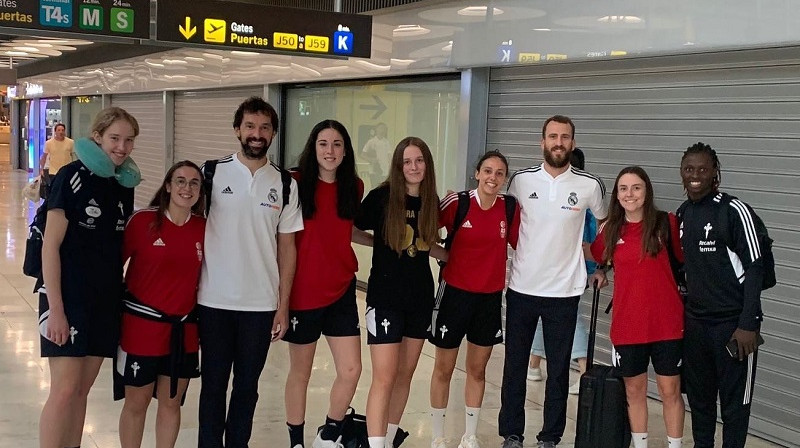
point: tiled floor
(24, 375)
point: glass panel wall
(83, 109)
(378, 115)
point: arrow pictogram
(379, 107)
(188, 31)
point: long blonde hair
(428, 220)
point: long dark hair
(652, 238)
(428, 220)
(161, 198)
(346, 177)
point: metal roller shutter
(149, 151)
(204, 122)
(646, 111)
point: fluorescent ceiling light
(409, 30)
(27, 49)
(542, 29)
(479, 11)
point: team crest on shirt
(199, 248)
(502, 229)
(272, 195)
(572, 201)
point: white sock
(391, 431)
(472, 415)
(376, 442)
(639, 439)
(675, 442)
(437, 423)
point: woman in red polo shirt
(158, 351)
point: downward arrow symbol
(188, 31)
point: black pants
(709, 371)
(559, 315)
(238, 340)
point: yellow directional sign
(188, 30)
(214, 30)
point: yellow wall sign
(285, 41)
(214, 30)
(529, 57)
(318, 44)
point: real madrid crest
(273, 195)
(572, 199)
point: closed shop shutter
(646, 112)
(149, 152)
(204, 122)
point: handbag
(31, 191)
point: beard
(551, 159)
(255, 153)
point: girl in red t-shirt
(647, 324)
(323, 298)
(470, 293)
(165, 246)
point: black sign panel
(115, 18)
(265, 28)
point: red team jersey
(477, 261)
(647, 305)
(163, 273)
(326, 262)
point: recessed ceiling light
(620, 19)
(409, 30)
(479, 11)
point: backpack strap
(461, 214)
(209, 168)
(511, 208)
(286, 180)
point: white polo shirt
(549, 259)
(240, 267)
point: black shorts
(138, 371)
(94, 330)
(340, 318)
(390, 326)
(632, 360)
(460, 313)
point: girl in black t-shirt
(403, 213)
(88, 206)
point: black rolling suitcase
(602, 406)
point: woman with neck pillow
(81, 289)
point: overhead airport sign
(114, 18)
(245, 26)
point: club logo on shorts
(72, 333)
(272, 195)
(385, 324)
(443, 329)
(294, 322)
(135, 367)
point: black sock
(296, 434)
(332, 429)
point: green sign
(115, 18)
(246, 26)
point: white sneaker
(575, 388)
(320, 443)
(439, 442)
(469, 442)
(535, 374)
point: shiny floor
(24, 376)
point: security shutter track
(204, 122)
(149, 151)
(647, 111)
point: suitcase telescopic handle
(593, 325)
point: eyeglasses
(181, 182)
